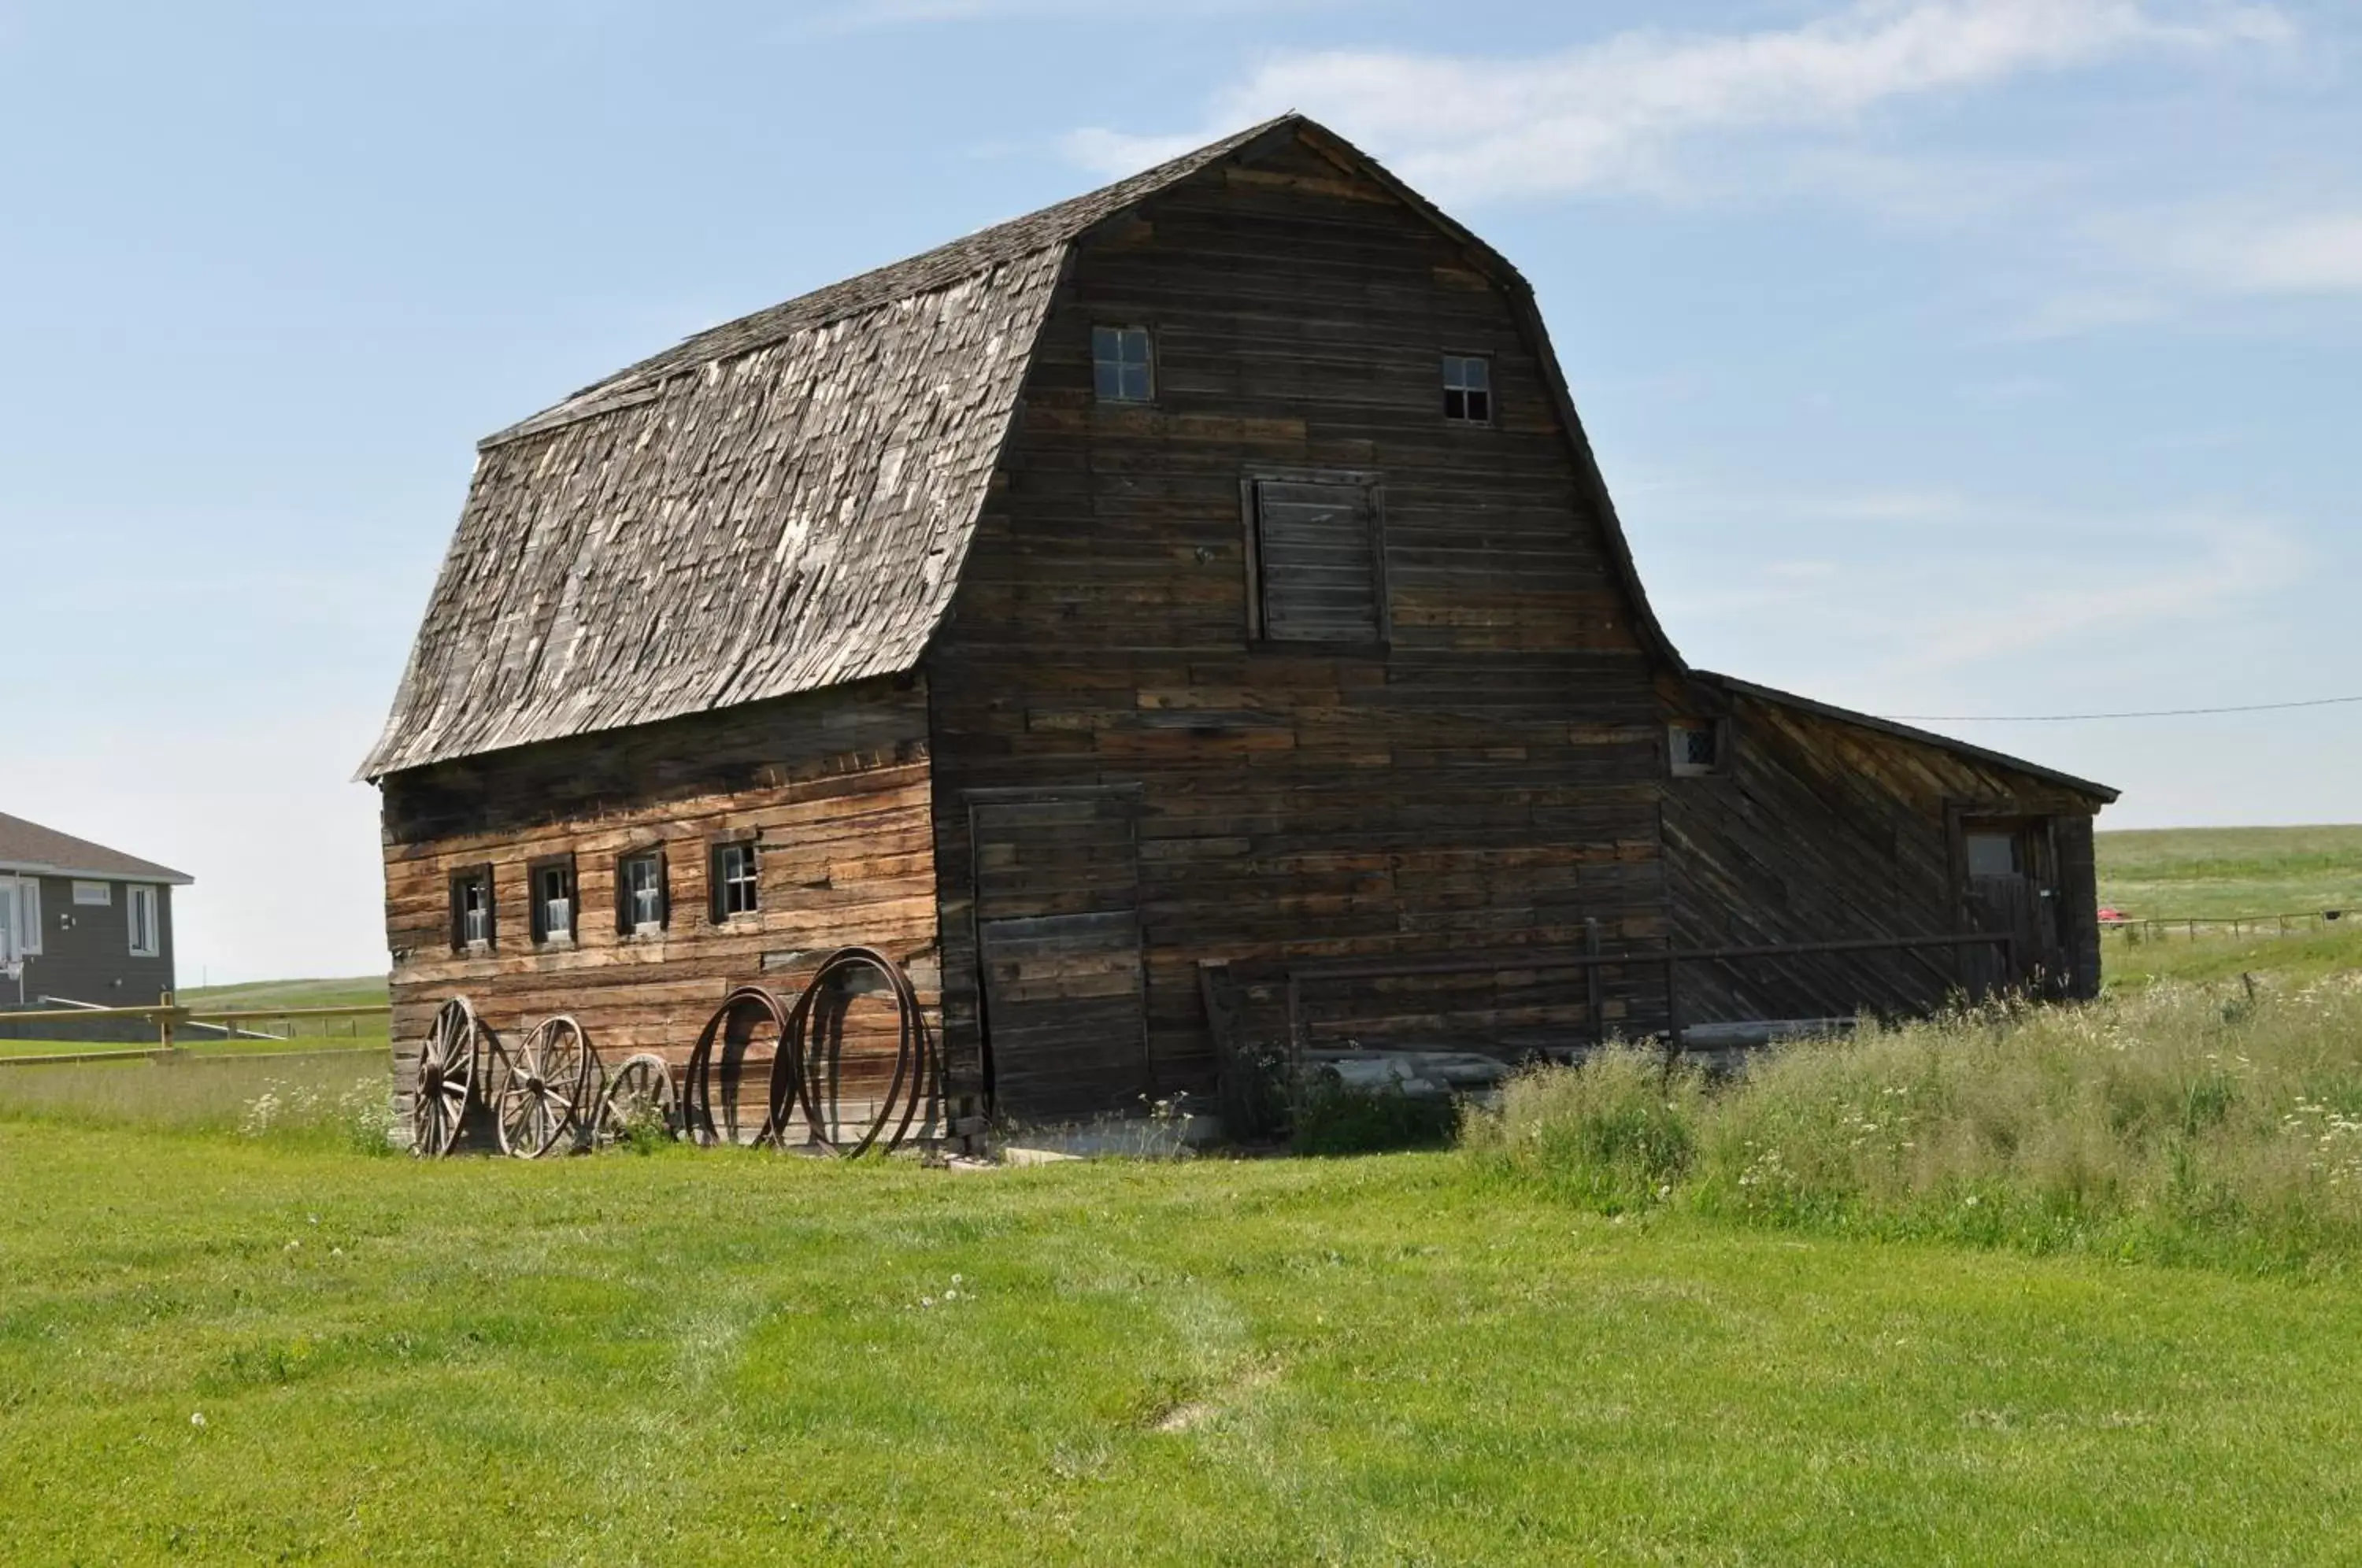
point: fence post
(164, 1024)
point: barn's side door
(2013, 888)
(1057, 924)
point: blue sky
(1946, 357)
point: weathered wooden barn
(1207, 580)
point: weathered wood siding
(1486, 779)
(834, 787)
(1818, 830)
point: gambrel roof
(781, 503)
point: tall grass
(2179, 1123)
(326, 1101)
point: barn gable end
(1478, 773)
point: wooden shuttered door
(1320, 559)
(1058, 909)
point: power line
(2078, 717)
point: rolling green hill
(2185, 872)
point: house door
(2012, 890)
(1057, 923)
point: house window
(147, 936)
(20, 918)
(1317, 560)
(1695, 745)
(734, 884)
(553, 899)
(24, 903)
(642, 902)
(1119, 364)
(471, 908)
(1467, 389)
(99, 894)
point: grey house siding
(86, 957)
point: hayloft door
(1057, 913)
(2012, 890)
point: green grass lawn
(733, 1357)
(2190, 872)
(222, 1346)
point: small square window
(1120, 369)
(735, 889)
(642, 901)
(553, 899)
(1993, 855)
(1467, 389)
(1695, 745)
(471, 909)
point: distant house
(1203, 582)
(81, 922)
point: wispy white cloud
(1897, 587)
(1617, 114)
(2288, 253)
(2205, 567)
(862, 15)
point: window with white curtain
(146, 935)
(28, 916)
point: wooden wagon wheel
(447, 1079)
(639, 1092)
(541, 1089)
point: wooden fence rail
(2150, 927)
(168, 1018)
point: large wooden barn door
(1057, 920)
(2013, 888)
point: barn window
(1695, 745)
(1993, 855)
(553, 899)
(471, 908)
(643, 903)
(147, 936)
(1121, 367)
(1317, 559)
(1468, 389)
(735, 888)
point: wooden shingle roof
(779, 504)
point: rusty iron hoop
(540, 1090)
(731, 1026)
(448, 1060)
(797, 1071)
